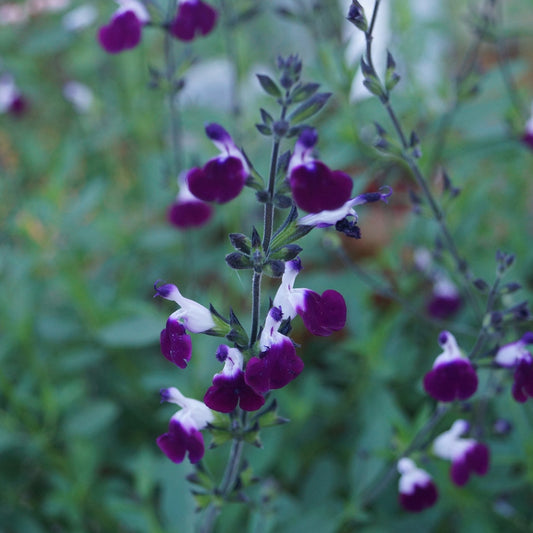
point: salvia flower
(12, 100)
(194, 316)
(344, 218)
(193, 18)
(222, 178)
(445, 299)
(183, 434)
(416, 488)
(322, 314)
(175, 344)
(277, 364)
(229, 387)
(124, 31)
(314, 186)
(527, 136)
(467, 455)
(187, 211)
(452, 377)
(515, 355)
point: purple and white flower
(315, 187)
(322, 314)
(222, 178)
(416, 488)
(515, 355)
(452, 377)
(12, 100)
(468, 456)
(124, 30)
(229, 388)
(187, 211)
(344, 218)
(277, 364)
(193, 18)
(183, 434)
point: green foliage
(84, 236)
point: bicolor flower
(527, 136)
(452, 377)
(11, 99)
(183, 434)
(515, 355)
(229, 387)
(322, 314)
(222, 178)
(187, 211)
(315, 187)
(445, 300)
(277, 364)
(124, 30)
(344, 218)
(467, 455)
(193, 18)
(175, 344)
(416, 488)
(194, 316)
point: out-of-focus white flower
(80, 17)
(79, 95)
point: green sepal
(264, 130)
(246, 476)
(240, 242)
(221, 328)
(285, 253)
(268, 85)
(268, 417)
(220, 429)
(254, 180)
(309, 108)
(239, 261)
(391, 76)
(251, 436)
(266, 117)
(201, 477)
(202, 499)
(291, 233)
(302, 92)
(237, 334)
(274, 268)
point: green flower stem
(226, 485)
(449, 242)
(256, 306)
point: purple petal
(443, 306)
(316, 188)
(193, 18)
(217, 133)
(523, 381)
(423, 496)
(179, 440)
(122, 33)
(189, 214)
(175, 343)
(452, 380)
(478, 458)
(220, 180)
(322, 315)
(308, 138)
(227, 392)
(276, 367)
(527, 139)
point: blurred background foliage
(84, 236)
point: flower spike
(452, 377)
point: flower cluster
(272, 365)
(417, 490)
(124, 30)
